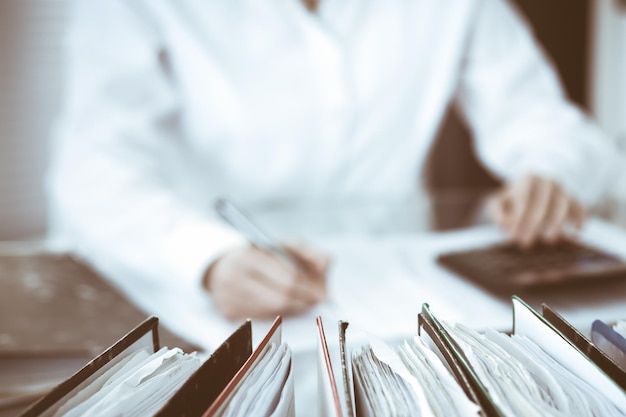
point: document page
(262, 393)
(444, 394)
(407, 379)
(80, 402)
(524, 380)
(139, 386)
(379, 284)
(381, 391)
(530, 325)
(510, 384)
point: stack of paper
(453, 370)
(139, 385)
(135, 377)
(444, 395)
(410, 381)
(267, 389)
(524, 380)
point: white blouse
(172, 103)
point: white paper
(508, 381)
(443, 392)
(138, 386)
(528, 324)
(262, 388)
(80, 402)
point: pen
(253, 233)
(244, 225)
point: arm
(554, 159)
(114, 182)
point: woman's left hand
(536, 209)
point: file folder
(205, 393)
(551, 333)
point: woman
(174, 103)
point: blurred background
(586, 40)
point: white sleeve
(522, 123)
(109, 192)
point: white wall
(609, 78)
(30, 87)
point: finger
(537, 212)
(296, 294)
(558, 218)
(521, 198)
(284, 300)
(576, 217)
(311, 258)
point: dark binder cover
(212, 379)
(242, 371)
(144, 335)
(604, 362)
(458, 363)
(192, 399)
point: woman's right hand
(251, 283)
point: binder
(561, 341)
(532, 324)
(458, 363)
(336, 394)
(143, 336)
(547, 330)
(237, 383)
(208, 388)
(589, 348)
(340, 392)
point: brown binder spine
(329, 366)
(205, 385)
(603, 361)
(150, 325)
(346, 369)
(459, 364)
(241, 371)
